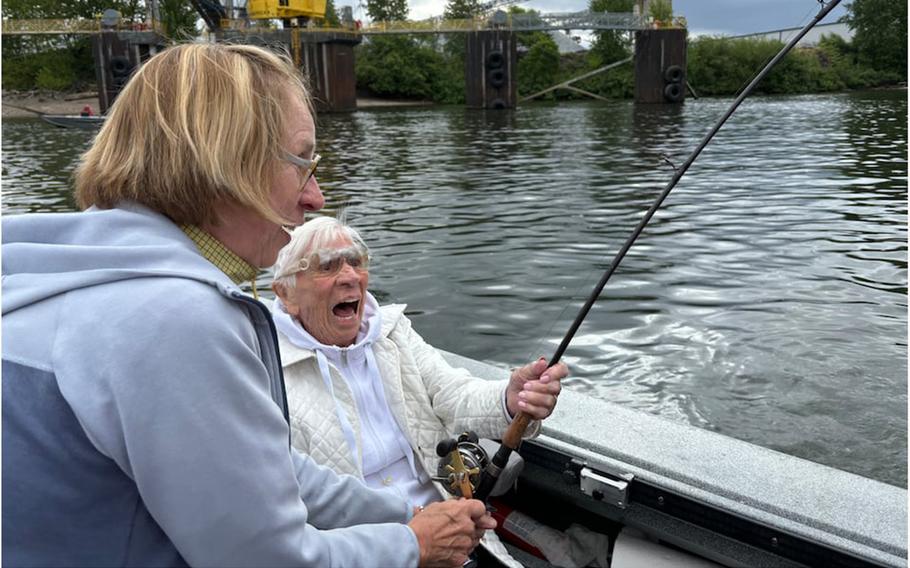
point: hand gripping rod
(512, 437)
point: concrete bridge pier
(660, 66)
(491, 69)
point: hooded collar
(370, 328)
(297, 344)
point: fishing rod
(512, 437)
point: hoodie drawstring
(346, 427)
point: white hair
(308, 238)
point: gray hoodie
(144, 416)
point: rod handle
(512, 437)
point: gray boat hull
(73, 121)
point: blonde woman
(144, 414)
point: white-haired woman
(367, 395)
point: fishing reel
(461, 464)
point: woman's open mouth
(347, 309)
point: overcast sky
(727, 17)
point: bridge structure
(326, 53)
(585, 20)
(516, 23)
(69, 26)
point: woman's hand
(449, 530)
(533, 389)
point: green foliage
(610, 46)
(528, 39)
(56, 74)
(405, 67)
(616, 83)
(331, 15)
(538, 60)
(20, 73)
(178, 18)
(387, 10)
(461, 9)
(880, 35)
(661, 10)
(56, 62)
(720, 66)
(131, 10)
(57, 69)
(539, 67)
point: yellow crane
(285, 9)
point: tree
(610, 46)
(331, 18)
(880, 34)
(387, 10)
(386, 66)
(462, 9)
(178, 18)
(661, 10)
(50, 9)
(60, 61)
(538, 69)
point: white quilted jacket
(429, 398)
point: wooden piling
(325, 58)
(660, 66)
(117, 55)
(491, 69)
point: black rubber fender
(120, 66)
(497, 78)
(673, 74)
(498, 104)
(674, 93)
(495, 59)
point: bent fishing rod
(512, 437)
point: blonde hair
(199, 124)
(315, 234)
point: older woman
(367, 395)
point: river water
(767, 299)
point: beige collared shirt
(237, 269)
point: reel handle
(446, 447)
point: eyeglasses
(329, 262)
(308, 167)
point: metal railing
(64, 26)
(510, 22)
(523, 23)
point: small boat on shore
(691, 497)
(73, 120)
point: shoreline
(31, 104)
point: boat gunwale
(839, 510)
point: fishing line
(678, 175)
(512, 437)
(666, 159)
(575, 294)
